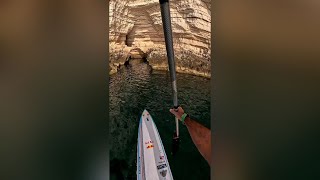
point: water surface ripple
(138, 87)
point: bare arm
(200, 135)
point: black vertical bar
(166, 21)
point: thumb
(173, 111)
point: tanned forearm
(201, 137)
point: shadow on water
(117, 167)
(137, 87)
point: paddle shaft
(166, 21)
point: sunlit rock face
(138, 24)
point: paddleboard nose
(145, 112)
(152, 162)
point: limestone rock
(137, 24)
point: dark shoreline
(165, 68)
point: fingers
(174, 111)
(177, 112)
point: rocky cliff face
(137, 24)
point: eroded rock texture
(137, 24)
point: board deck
(152, 162)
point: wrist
(184, 116)
(187, 120)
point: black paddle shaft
(166, 21)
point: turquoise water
(138, 87)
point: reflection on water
(138, 87)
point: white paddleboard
(152, 162)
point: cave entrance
(137, 53)
(136, 56)
(126, 41)
(130, 38)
